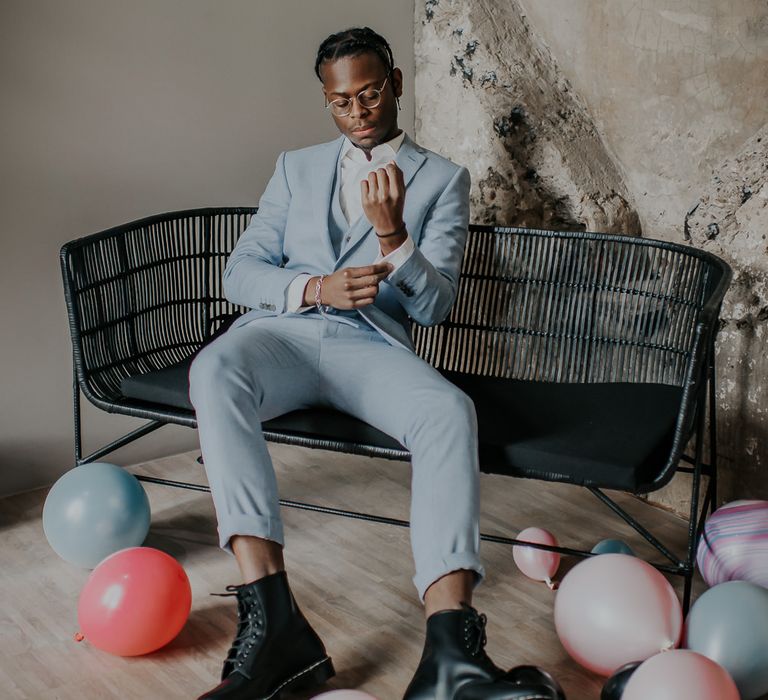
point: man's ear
(397, 82)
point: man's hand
(383, 197)
(348, 288)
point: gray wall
(112, 111)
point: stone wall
(674, 87)
(490, 95)
(613, 117)
(731, 221)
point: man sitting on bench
(332, 266)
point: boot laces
(249, 627)
(474, 632)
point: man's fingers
(373, 184)
(362, 302)
(382, 180)
(398, 174)
(375, 269)
(364, 293)
(396, 181)
(363, 282)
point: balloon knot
(552, 585)
(79, 637)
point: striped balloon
(734, 545)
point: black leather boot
(275, 649)
(520, 683)
(454, 665)
(454, 656)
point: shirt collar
(384, 151)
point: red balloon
(134, 602)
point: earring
(397, 99)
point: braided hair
(353, 42)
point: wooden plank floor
(352, 579)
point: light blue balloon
(729, 624)
(612, 547)
(93, 511)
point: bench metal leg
(76, 414)
(139, 432)
(368, 517)
(712, 432)
(635, 525)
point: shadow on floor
(180, 533)
(206, 629)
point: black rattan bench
(589, 356)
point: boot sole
(316, 674)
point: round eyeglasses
(369, 99)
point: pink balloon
(537, 564)
(344, 695)
(134, 602)
(613, 609)
(680, 675)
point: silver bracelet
(318, 290)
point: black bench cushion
(612, 435)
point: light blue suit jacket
(289, 235)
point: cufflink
(405, 289)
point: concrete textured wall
(534, 154)
(674, 87)
(731, 221)
(622, 116)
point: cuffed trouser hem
(251, 526)
(454, 562)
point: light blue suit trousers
(271, 362)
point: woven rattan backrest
(572, 307)
(146, 295)
(538, 305)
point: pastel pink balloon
(680, 675)
(344, 695)
(613, 609)
(134, 602)
(537, 564)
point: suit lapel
(409, 159)
(323, 173)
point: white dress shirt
(355, 167)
